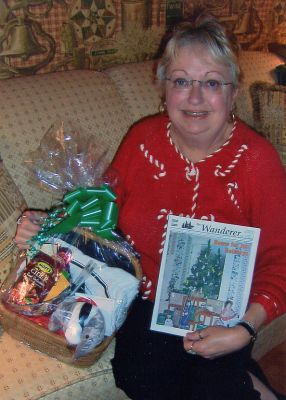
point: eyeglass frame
(201, 83)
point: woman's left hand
(216, 341)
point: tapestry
(39, 36)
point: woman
(197, 160)
(227, 314)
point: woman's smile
(196, 114)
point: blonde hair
(204, 29)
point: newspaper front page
(205, 275)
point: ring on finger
(20, 219)
(191, 351)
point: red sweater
(242, 183)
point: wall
(39, 36)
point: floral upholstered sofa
(105, 104)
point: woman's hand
(29, 225)
(216, 341)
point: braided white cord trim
(146, 285)
(190, 171)
(208, 156)
(196, 193)
(211, 217)
(231, 187)
(230, 167)
(174, 145)
(153, 161)
(193, 171)
(225, 143)
(164, 214)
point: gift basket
(71, 291)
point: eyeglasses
(209, 86)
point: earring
(162, 107)
(231, 117)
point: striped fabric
(11, 206)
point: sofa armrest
(269, 111)
(270, 337)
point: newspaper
(205, 275)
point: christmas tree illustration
(205, 275)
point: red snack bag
(37, 279)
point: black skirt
(150, 365)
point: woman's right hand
(29, 225)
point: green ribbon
(92, 207)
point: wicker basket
(41, 339)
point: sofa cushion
(33, 103)
(28, 374)
(136, 85)
(12, 204)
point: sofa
(105, 104)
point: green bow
(92, 208)
(88, 207)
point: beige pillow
(12, 204)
